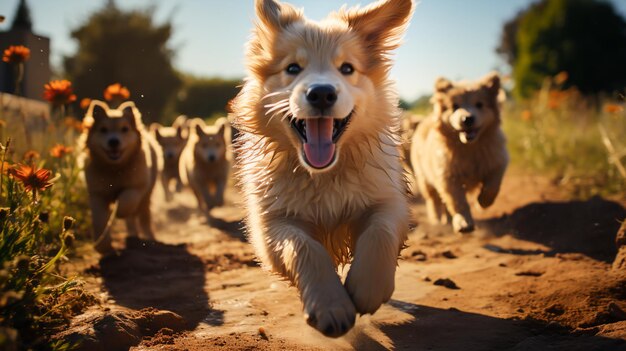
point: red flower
(33, 179)
(16, 54)
(59, 92)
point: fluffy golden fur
(172, 140)
(204, 163)
(459, 148)
(121, 162)
(314, 203)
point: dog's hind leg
(289, 248)
(370, 281)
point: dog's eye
(455, 107)
(479, 105)
(103, 130)
(293, 69)
(125, 129)
(346, 69)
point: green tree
(116, 46)
(585, 38)
(204, 97)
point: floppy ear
(275, 15)
(97, 111)
(380, 24)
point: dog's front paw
(486, 198)
(462, 224)
(370, 284)
(330, 311)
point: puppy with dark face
(460, 148)
(319, 156)
(205, 164)
(172, 140)
(121, 162)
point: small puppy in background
(172, 140)
(204, 163)
(121, 162)
(319, 155)
(460, 148)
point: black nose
(211, 158)
(114, 143)
(468, 121)
(321, 96)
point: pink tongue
(319, 148)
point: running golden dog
(319, 156)
(460, 148)
(121, 162)
(204, 163)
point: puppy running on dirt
(172, 140)
(460, 148)
(204, 163)
(121, 162)
(319, 155)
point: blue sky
(452, 38)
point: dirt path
(535, 276)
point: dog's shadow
(162, 276)
(587, 227)
(430, 328)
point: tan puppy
(121, 162)
(319, 155)
(460, 148)
(204, 163)
(172, 140)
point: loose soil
(538, 274)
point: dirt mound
(119, 329)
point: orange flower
(613, 108)
(526, 115)
(33, 179)
(561, 78)
(84, 103)
(59, 92)
(116, 92)
(31, 155)
(59, 150)
(16, 54)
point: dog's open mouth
(468, 135)
(319, 137)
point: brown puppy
(204, 163)
(460, 148)
(172, 140)
(121, 162)
(319, 155)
